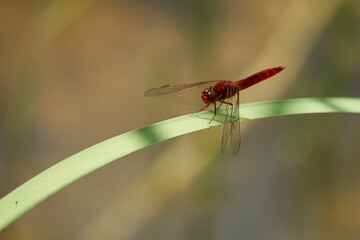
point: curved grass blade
(37, 189)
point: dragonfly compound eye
(208, 96)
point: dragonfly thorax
(220, 91)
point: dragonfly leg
(214, 113)
(204, 108)
(229, 103)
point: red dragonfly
(216, 92)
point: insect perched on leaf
(216, 92)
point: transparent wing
(231, 123)
(227, 121)
(189, 93)
(235, 127)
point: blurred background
(73, 73)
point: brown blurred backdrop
(73, 73)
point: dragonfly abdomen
(258, 77)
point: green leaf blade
(40, 187)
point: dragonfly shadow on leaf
(219, 119)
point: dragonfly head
(208, 96)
